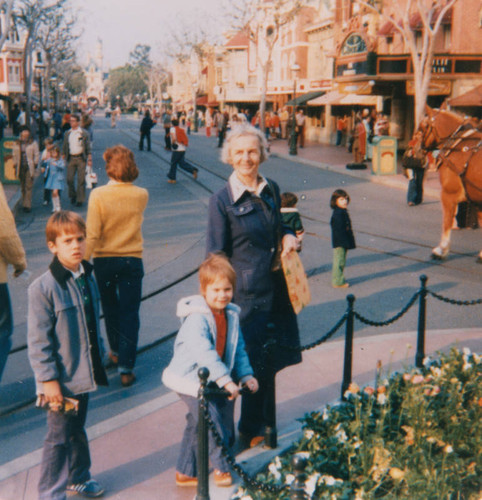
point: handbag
(296, 281)
(410, 161)
(90, 178)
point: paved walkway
(134, 453)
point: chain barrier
(453, 301)
(316, 343)
(232, 461)
(391, 320)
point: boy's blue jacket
(58, 338)
(195, 347)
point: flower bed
(418, 435)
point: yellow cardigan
(114, 220)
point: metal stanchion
(202, 440)
(422, 307)
(297, 488)
(347, 368)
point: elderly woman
(245, 224)
(114, 238)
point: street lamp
(294, 70)
(53, 81)
(225, 83)
(195, 86)
(39, 70)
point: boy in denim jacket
(209, 337)
(66, 353)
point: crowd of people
(243, 304)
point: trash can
(136, 115)
(384, 161)
(7, 167)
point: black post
(202, 440)
(297, 488)
(347, 368)
(270, 432)
(422, 307)
(41, 118)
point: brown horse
(459, 163)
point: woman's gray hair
(243, 130)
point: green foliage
(126, 81)
(416, 436)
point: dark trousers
(177, 158)
(65, 454)
(76, 167)
(221, 412)
(167, 137)
(339, 137)
(145, 135)
(415, 187)
(120, 286)
(6, 326)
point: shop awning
(471, 98)
(303, 99)
(336, 98)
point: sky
(121, 24)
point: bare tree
(400, 15)
(156, 80)
(56, 36)
(262, 21)
(31, 14)
(7, 7)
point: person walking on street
(340, 129)
(284, 118)
(342, 237)
(300, 126)
(179, 144)
(11, 253)
(114, 239)
(223, 120)
(166, 123)
(25, 158)
(146, 125)
(55, 178)
(76, 152)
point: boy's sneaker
(183, 480)
(222, 478)
(89, 489)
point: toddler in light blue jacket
(209, 337)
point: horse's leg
(452, 193)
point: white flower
(304, 454)
(466, 351)
(341, 434)
(308, 433)
(476, 357)
(382, 398)
(426, 361)
(289, 478)
(274, 471)
(467, 366)
(310, 484)
(325, 414)
(448, 449)
(437, 372)
(329, 480)
(277, 462)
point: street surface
(394, 243)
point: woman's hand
(252, 385)
(289, 244)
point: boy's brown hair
(215, 265)
(63, 222)
(288, 200)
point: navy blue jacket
(341, 231)
(249, 231)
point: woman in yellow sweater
(114, 239)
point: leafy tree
(124, 82)
(400, 15)
(140, 57)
